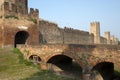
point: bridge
(91, 58)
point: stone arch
(64, 63)
(35, 58)
(59, 58)
(21, 38)
(103, 71)
(68, 55)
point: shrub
(33, 20)
(11, 16)
(21, 57)
(0, 16)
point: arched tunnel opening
(21, 38)
(65, 65)
(35, 59)
(103, 71)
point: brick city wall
(51, 33)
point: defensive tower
(95, 30)
(17, 8)
(17, 26)
(107, 36)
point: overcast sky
(78, 14)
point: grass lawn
(13, 68)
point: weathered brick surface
(83, 54)
(17, 8)
(10, 27)
(75, 44)
(14, 13)
(51, 33)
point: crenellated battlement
(18, 9)
(47, 23)
(34, 13)
(76, 31)
(95, 23)
(9, 9)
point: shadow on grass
(117, 75)
(46, 75)
(74, 70)
(70, 73)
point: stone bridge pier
(97, 62)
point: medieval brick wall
(72, 36)
(51, 33)
(107, 36)
(103, 40)
(1, 7)
(14, 14)
(22, 7)
(10, 27)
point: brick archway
(55, 54)
(63, 63)
(103, 70)
(21, 37)
(59, 58)
(35, 58)
(67, 55)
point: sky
(78, 14)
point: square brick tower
(16, 8)
(95, 30)
(107, 36)
(16, 25)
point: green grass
(21, 58)
(117, 73)
(46, 75)
(33, 20)
(11, 16)
(14, 67)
